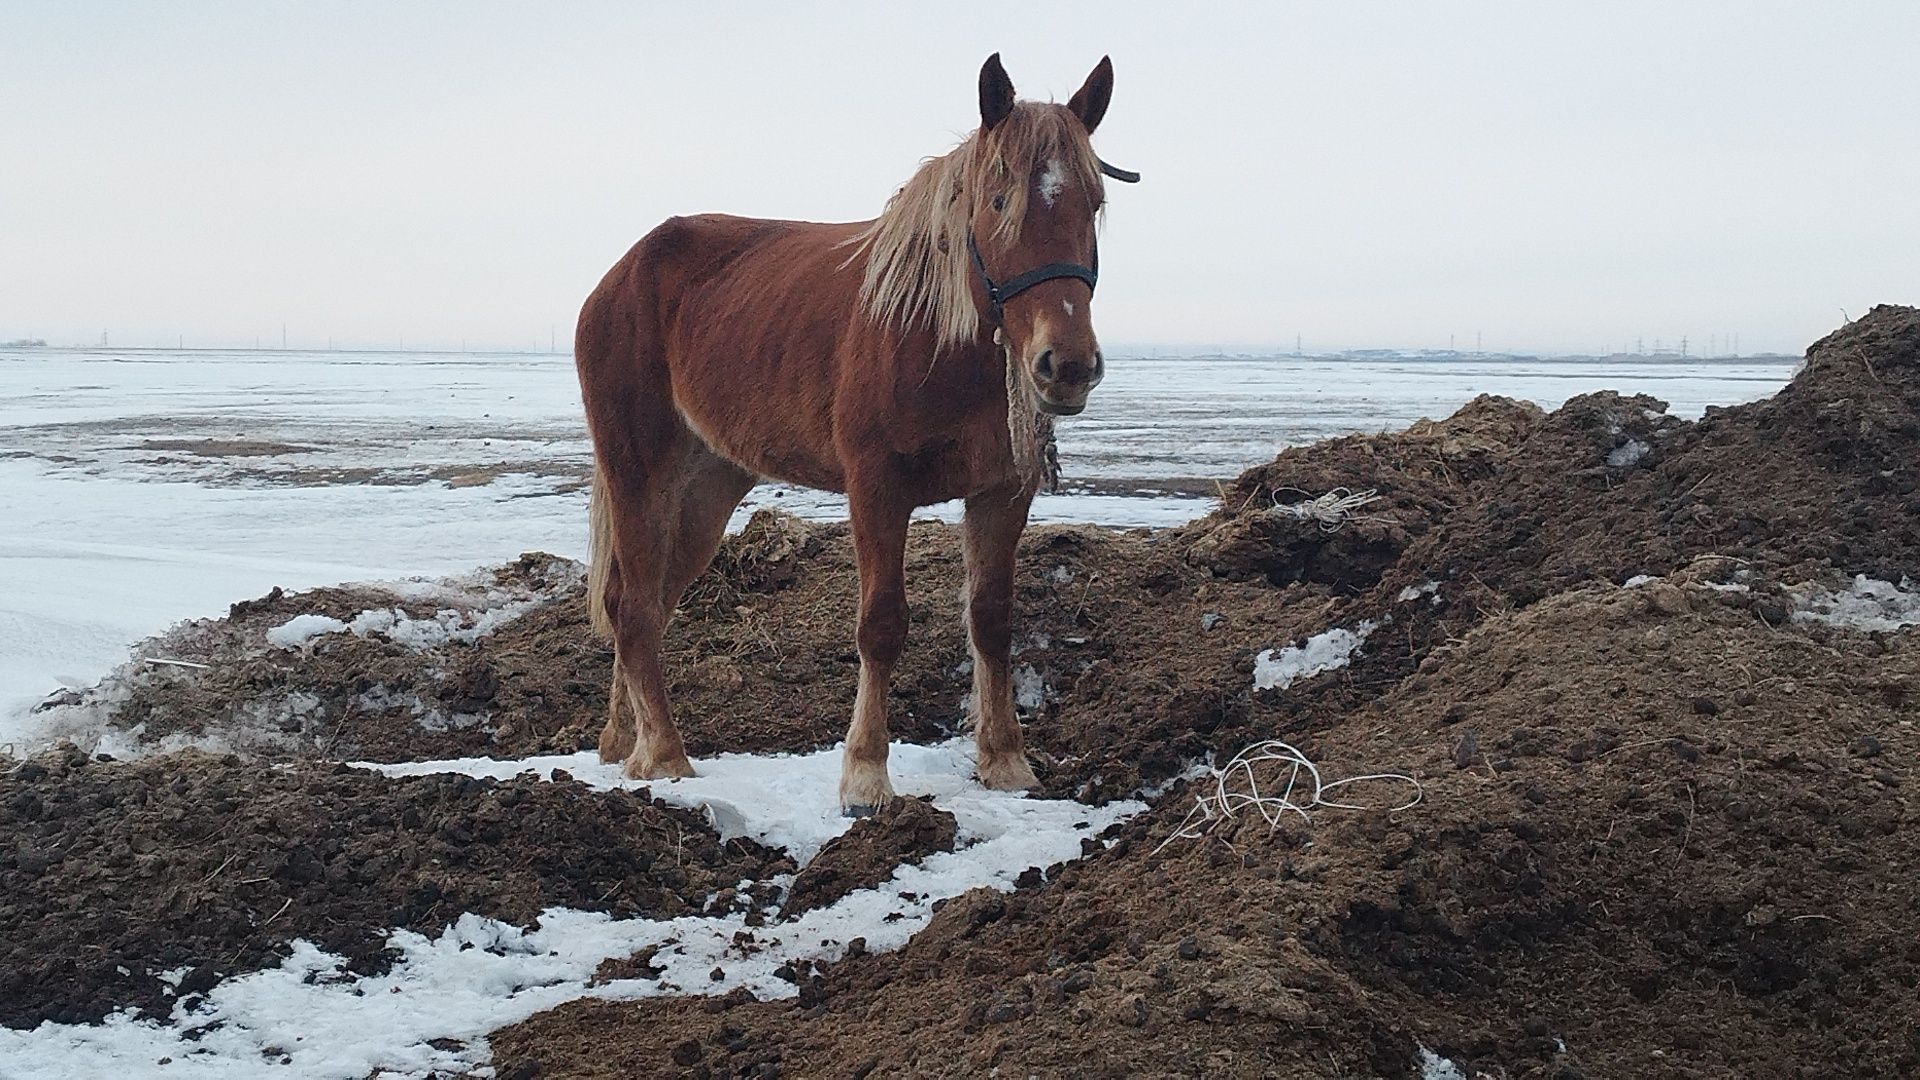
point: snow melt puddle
(1868, 605)
(312, 1018)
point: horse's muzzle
(1061, 382)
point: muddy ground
(1668, 827)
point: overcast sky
(1552, 176)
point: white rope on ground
(1224, 803)
(1331, 510)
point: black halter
(998, 293)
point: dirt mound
(1822, 475)
(905, 831)
(1268, 526)
(112, 875)
(1677, 845)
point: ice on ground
(1869, 605)
(312, 1018)
(1323, 652)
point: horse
(912, 359)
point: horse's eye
(999, 202)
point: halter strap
(998, 293)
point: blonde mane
(918, 273)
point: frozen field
(142, 487)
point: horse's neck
(959, 380)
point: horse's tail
(600, 564)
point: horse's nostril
(1044, 366)
(1099, 364)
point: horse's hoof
(665, 769)
(1010, 773)
(864, 791)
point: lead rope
(1036, 457)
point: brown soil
(114, 873)
(1667, 828)
(1674, 836)
(904, 831)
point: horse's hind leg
(616, 739)
(713, 488)
(659, 553)
(640, 543)
(991, 533)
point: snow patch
(301, 629)
(1869, 605)
(1435, 1067)
(1029, 688)
(1318, 654)
(447, 625)
(1628, 453)
(1415, 592)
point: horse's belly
(772, 446)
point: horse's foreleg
(880, 542)
(992, 532)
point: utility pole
(283, 337)
(1683, 346)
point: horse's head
(1036, 195)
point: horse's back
(738, 320)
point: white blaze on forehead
(1067, 305)
(1052, 181)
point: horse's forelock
(917, 270)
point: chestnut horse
(908, 360)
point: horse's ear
(1089, 103)
(996, 93)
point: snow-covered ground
(432, 1010)
(138, 488)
